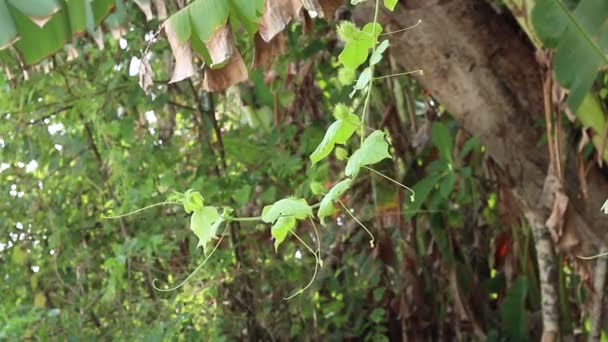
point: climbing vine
(361, 45)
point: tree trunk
(483, 69)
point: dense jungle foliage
(314, 170)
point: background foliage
(84, 141)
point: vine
(284, 214)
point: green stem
(371, 81)
(419, 71)
(392, 180)
(244, 219)
(372, 238)
(140, 210)
(403, 29)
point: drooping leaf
(277, 14)
(326, 208)
(39, 11)
(338, 132)
(281, 228)
(374, 149)
(266, 52)
(208, 16)
(233, 72)
(287, 207)
(204, 224)
(220, 46)
(248, 12)
(580, 40)
(146, 7)
(178, 33)
(8, 31)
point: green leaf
(281, 228)
(192, 201)
(442, 139)
(513, 310)
(287, 207)
(215, 14)
(469, 145)
(8, 31)
(346, 76)
(241, 196)
(341, 153)
(580, 40)
(378, 52)
(422, 189)
(447, 185)
(181, 24)
(374, 149)
(317, 188)
(204, 224)
(347, 31)
(338, 133)
(326, 208)
(248, 13)
(364, 79)
(36, 9)
(356, 50)
(371, 32)
(390, 4)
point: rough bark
(484, 71)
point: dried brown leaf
(184, 67)
(161, 9)
(232, 73)
(71, 52)
(329, 8)
(118, 31)
(265, 52)
(277, 14)
(146, 7)
(220, 46)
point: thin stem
(392, 180)
(195, 270)
(371, 81)
(371, 242)
(314, 275)
(419, 71)
(140, 210)
(314, 227)
(244, 219)
(593, 256)
(304, 243)
(403, 29)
